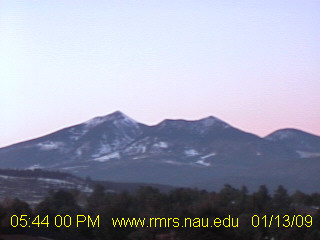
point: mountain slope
(206, 152)
(90, 140)
(305, 144)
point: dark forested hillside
(33, 185)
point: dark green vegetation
(148, 202)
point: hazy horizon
(254, 65)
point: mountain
(90, 140)
(205, 153)
(305, 144)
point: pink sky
(252, 64)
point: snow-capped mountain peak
(213, 121)
(95, 121)
(116, 117)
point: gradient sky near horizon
(253, 64)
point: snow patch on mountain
(83, 148)
(209, 155)
(56, 181)
(174, 162)
(103, 149)
(49, 145)
(114, 155)
(94, 122)
(203, 163)
(125, 120)
(74, 137)
(308, 154)
(118, 143)
(75, 167)
(79, 152)
(191, 152)
(160, 145)
(136, 148)
(33, 167)
(78, 131)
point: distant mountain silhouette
(206, 153)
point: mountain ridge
(117, 148)
(117, 113)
